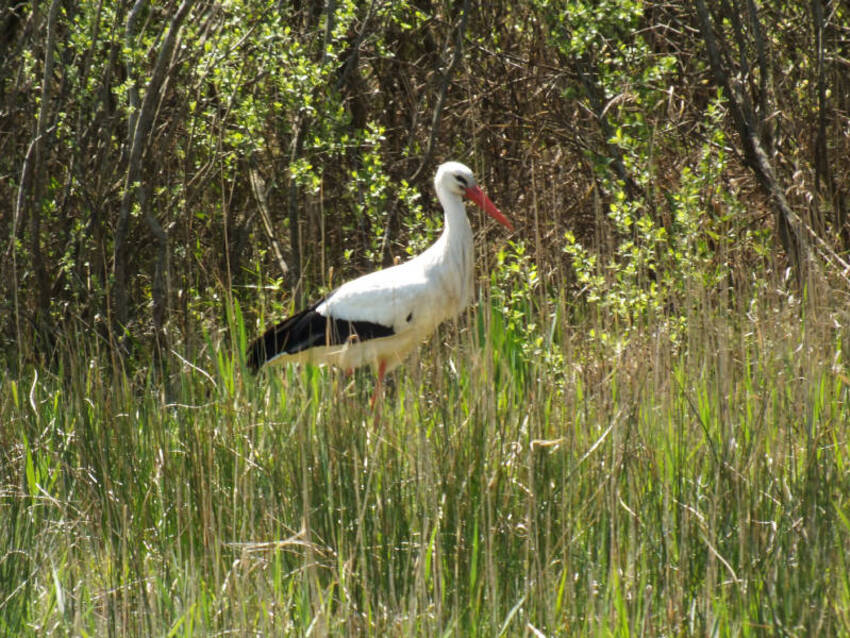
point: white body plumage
(379, 318)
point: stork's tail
(306, 330)
(297, 333)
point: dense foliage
(640, 427)
(155, 155)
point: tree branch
(789, 224)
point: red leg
(382, 369)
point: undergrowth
(517, 481)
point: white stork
(379, 318)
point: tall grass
(668, 488)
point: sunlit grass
(666, 489)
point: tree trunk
(824, 175)
(141, 125)
(30, 193)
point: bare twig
(460, 32)
(294, 229)
(258, 187)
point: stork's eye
(462, 180)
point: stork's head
(454, 178)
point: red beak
(483, 202)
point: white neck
(456, 221)
(453, 254)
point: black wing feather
(307, 329)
